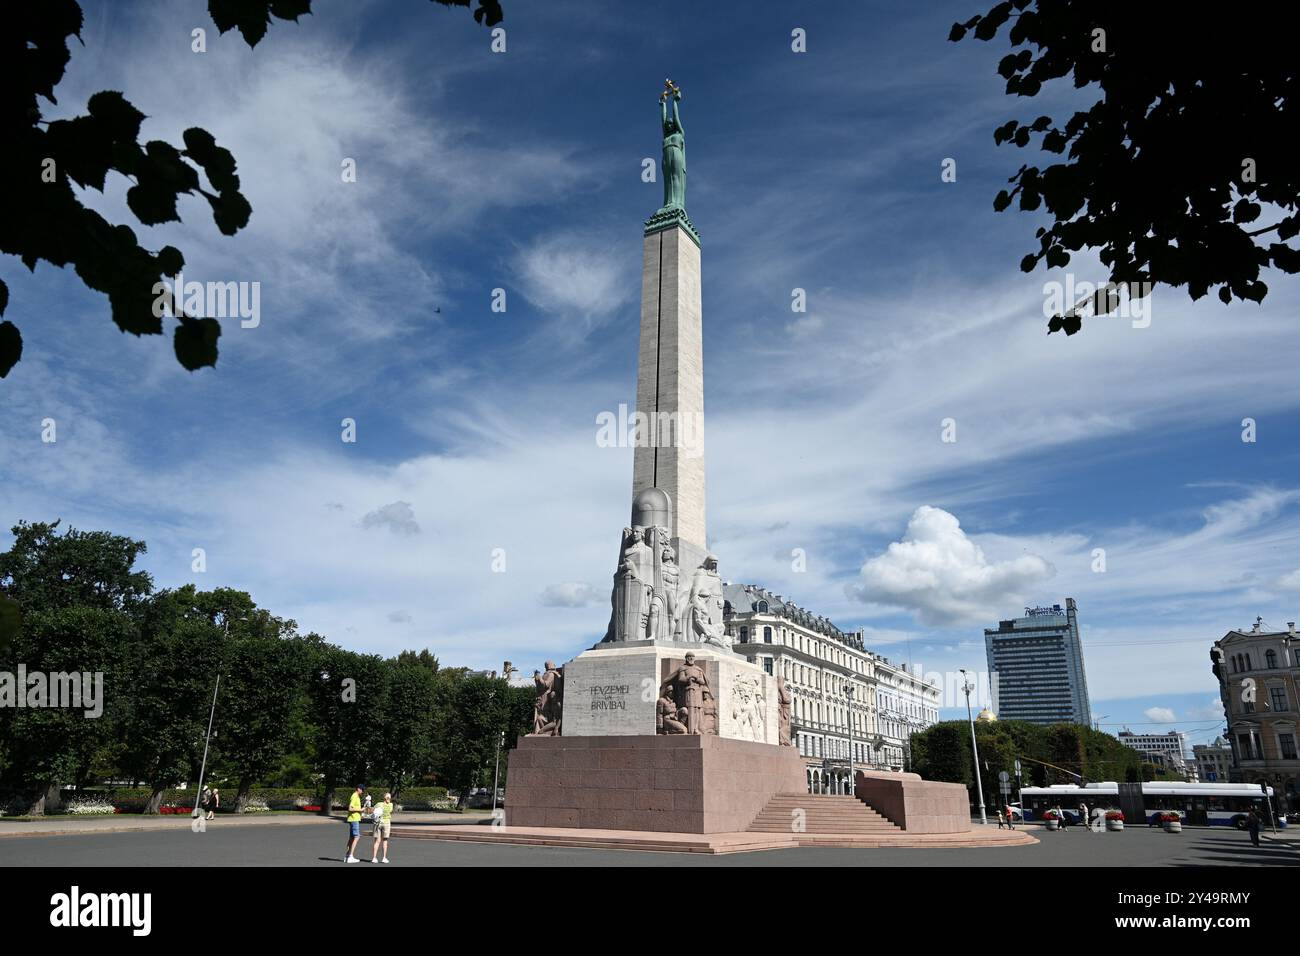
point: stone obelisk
(670, 364)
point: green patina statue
(674, 165)
(673, 211)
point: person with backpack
(383, 816)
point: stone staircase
(821, 813)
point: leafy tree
(264, 680)
(172, 673)
(349, 697)
(79, 599)
(404, 731)
(45, 745)
(45, 570)
(1168, 173)
(423, 658)
(942, 752)
(484, 708)
(41, 216)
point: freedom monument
(661, 726)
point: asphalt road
(322, 845)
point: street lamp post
(496, 773)
(853, 788)
(198, 794)
(967, 686)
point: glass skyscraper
(1036, 667)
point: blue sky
(476, 430)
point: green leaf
(956, 33)
(196, 342)
(115, 114)
(1057, 257)
(4, 297)
(170, 261)
(1245, 211)
(1028, 262)
(1284, 257)
(11, 347)
(1001, 201)
(230, 211)
(152, 205)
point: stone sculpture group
(549, 706)
(650, 602)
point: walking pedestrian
(1000, 815)
(214, 804)
(1083, 815)
(205, 801)
(1011, 818)
(354, 824)
(368, 813)
(1252, 824)
(383, 827)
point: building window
(1243, 744)
(767, 664)
(767, 635)
(1286, 742)
(1270, 659)
(762, 607)
(1277, 697)
(744, 635)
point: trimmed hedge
(135, 799)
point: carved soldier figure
(667, 615)
(709, 725)
(785, 700)
(687, 687)
(548, 708)
(703, 611)
(667, 717)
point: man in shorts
(354, 824)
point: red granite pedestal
(661, 784)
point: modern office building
(1036, 667)
(1168, 751)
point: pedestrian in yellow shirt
(354, 824)
(383, 827)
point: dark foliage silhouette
(1170, 172)
(41, 217)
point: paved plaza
(320, 843)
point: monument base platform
(913, 804)
(662, 784)
(711, 843)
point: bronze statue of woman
(674, 164)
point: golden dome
(986, 716)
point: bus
(1202, 804)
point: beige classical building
(1213, 761)
(848, 701)
(1257, 671)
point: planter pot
(1053, 824)
(1175, 826)
(1115, 825)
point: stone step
(821, 813)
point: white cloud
(575, 278)
(939, 572)
(1289, 582)
(570, 594)
(398, 517)
(1159, 715)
